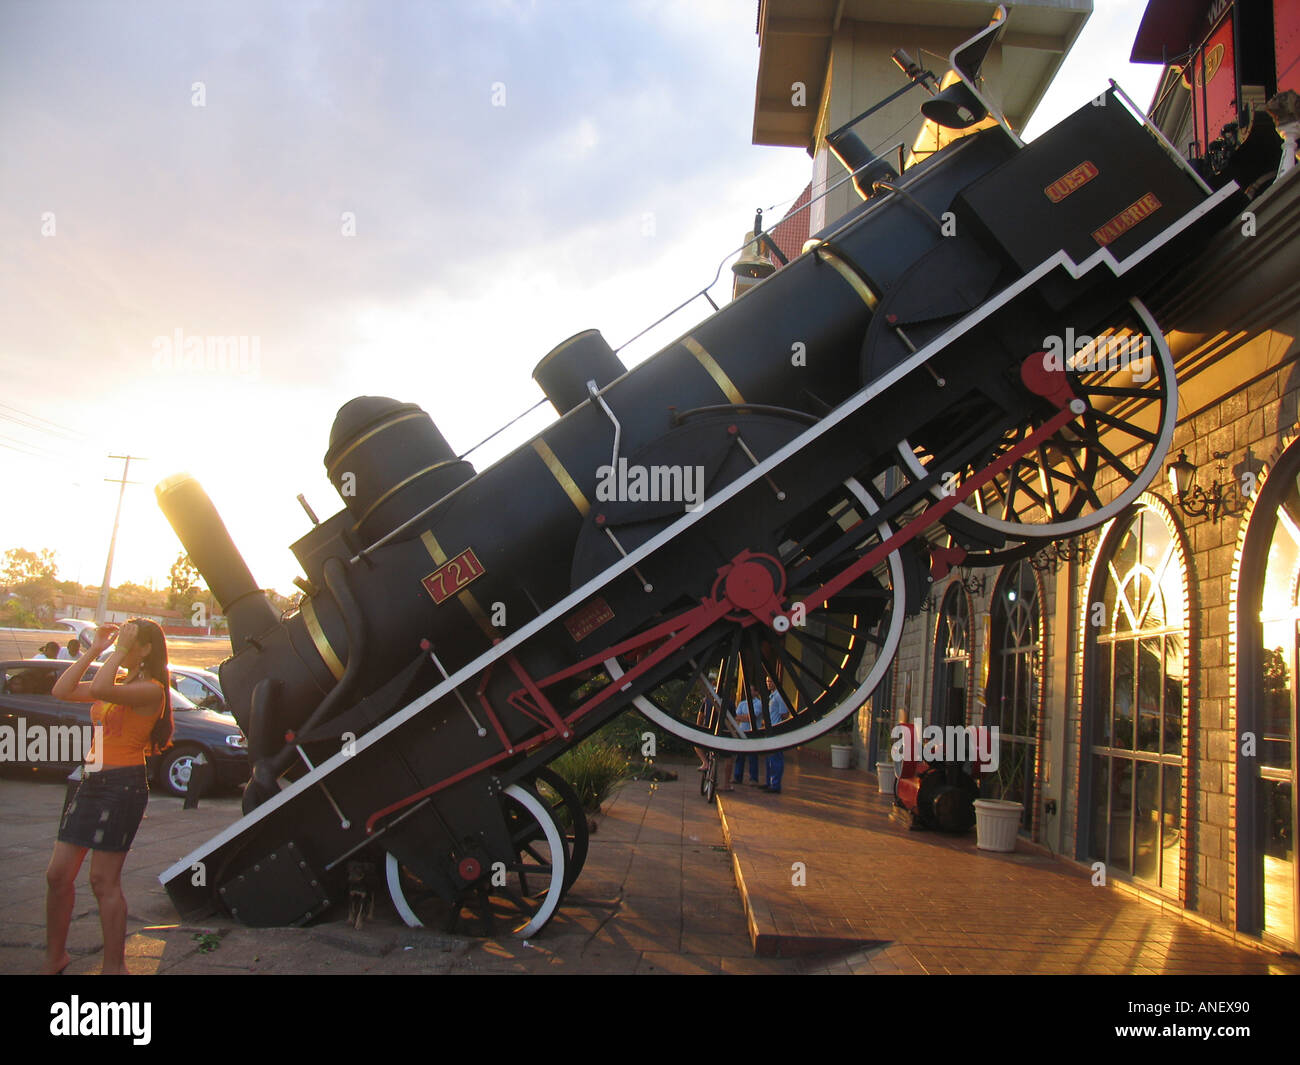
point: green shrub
(13, 615)
(627, 733)
(593, 769)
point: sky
(416, 200)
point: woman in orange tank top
(132, 718)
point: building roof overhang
(1170, 27)
(794, 39)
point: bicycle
(709, 778)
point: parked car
(76, 626)
(202, 687)
(25, 693)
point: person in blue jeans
(777, 712)
(746, 710)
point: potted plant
(997, 820)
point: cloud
(351, 195)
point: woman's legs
(106, 882)
(60, 894)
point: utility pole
(101, 609)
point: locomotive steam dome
(564, 372)
(387, 460)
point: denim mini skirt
(106, 809)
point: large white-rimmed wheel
(567, 812)
(534, 880)
(1126, 380)
(815, 664)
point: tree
(183, 582)
(283, 603)
(32, 575)
(22, 566)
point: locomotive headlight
(238, 742)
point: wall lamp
(1058, 552)
(974, 584)
(1193, 500)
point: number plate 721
(453, 575)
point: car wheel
(174, 771)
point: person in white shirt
(777, 712)
(71, 651)
(746, 711)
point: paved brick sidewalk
(896, 901)
(657, 896)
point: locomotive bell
(750, 268)
(954, 108)
(853, 153)
(751, 264)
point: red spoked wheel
(815, 657)
(1125, 379)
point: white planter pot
(840, 756)
(997, 824)
(885, 777)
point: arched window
(951, 659)
(1267, 660)
(1135, 663)
(1013, 693)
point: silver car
(202, 687)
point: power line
(41, 429)
(25, 447)
(24, 451)
(31, 421)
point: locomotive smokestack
(203, 535)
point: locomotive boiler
(766, 497)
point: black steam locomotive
(766, 497)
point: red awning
(1171, 27)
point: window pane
(1173, 741)
(1275, 728)
(1172, 819)
(1155, 539)
(1126, 555)
(1027, 717)
(1150, 681)
(1146, 828)
(1278, 846)
(1121, 810)
(1100, 806)
(1122, 697)
(1102, 695)
(995, 712)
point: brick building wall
(1238, 363)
